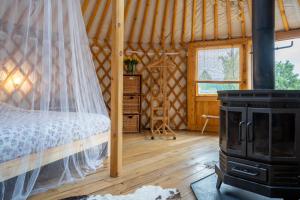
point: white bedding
(24, 132)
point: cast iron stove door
(236, 131)
(271, 134)
(285, 135)
(258, 133)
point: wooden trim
(154, 21)
(218, 43)
(117, 87)
(203, 20)
(108, 33)
(144, 21)
(191, 92)
(216, 20)
(136, 10)
(163, 27)
(288, 35)
(250, 8)
(84, 6)
(242, 16)
(92, 18)
(12, 168)
(183, 22)
(280, 35)
(174, 22)
(207, 98)
(283, 15)
(218, 82)
(248, 57)
(126, 14)
(243, 66)
(103, 15)
(193, 20)
(127, 8)
(228, 14)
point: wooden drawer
(131, 84)
(131, 104)
(131, 123)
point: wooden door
(208, 104)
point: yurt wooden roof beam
(169, 22)
(216, 19)
(283, 15)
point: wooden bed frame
(12, 168)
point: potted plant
(130, 64)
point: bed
(65, 134)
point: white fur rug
(144, 193)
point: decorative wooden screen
(101, 54)
(147, 53)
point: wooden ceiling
(181, 21)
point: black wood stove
(260, 128)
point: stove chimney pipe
(263, 35)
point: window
(218, 69)
(287, 65)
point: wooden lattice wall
(101, 51)
(147, 53)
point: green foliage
(285, 77)
(131, 61)
(130, 64)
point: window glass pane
(212, 88)
(287, 65)
(219, 64)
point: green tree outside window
(285, 77)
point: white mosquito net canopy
(53, 121)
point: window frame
(209, 104)
(225, 46)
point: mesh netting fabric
(49, 96)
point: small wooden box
(131, 104)
(131, 123)
(132, 84)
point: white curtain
(49, 95)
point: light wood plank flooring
(168, 163)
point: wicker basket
(131, 123)
(132, 84)
(131, 104)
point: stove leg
(219, 183)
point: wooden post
(117, 87)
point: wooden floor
(167, 163)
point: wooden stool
(207, 118)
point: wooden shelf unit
(132, 103)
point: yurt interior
(149, 99)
